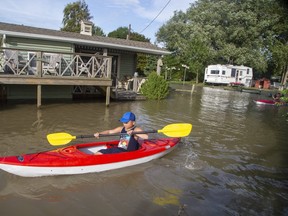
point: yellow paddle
(171, 130)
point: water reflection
(38, 124)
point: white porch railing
(133, 84)
(40, 64)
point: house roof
(80, 39)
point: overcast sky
(107, 14)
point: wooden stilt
(39, 93)
(107, 96)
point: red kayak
(269, 102)
(80, 158)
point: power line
(156, 16)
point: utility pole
(129, 31)
(186, 67)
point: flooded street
(235, 161)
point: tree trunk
(285, 76)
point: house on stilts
(38, 63)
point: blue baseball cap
(128, 116)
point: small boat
(269, 102)
(80, 158)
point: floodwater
(233, 163)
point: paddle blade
(177, 130)
(59, 138)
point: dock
(126, 95)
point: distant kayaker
(128, 141)
(276, 97)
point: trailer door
(233, 72)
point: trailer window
(214, 71)
(247, 70)
(223, 72)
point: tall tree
(74, 13)
(142, 59)
(122, 33)
(231, 32)
(279, 49)
(96, 30)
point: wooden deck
(47, 68)
(104, 83)
(126, 95)
(54, 80)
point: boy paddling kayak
(128, 141)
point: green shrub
(155, 87)
(285, 95)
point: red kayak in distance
(80, 158)
(269, 102)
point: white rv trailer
(228, 74)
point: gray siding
(52, 46)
